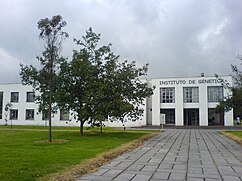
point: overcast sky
(176, 37)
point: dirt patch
(91, 165)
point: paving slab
(177, 154)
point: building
(189, 101)
(24, 110)
(179, 101)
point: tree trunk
(50, 130)
(81, 128)
(50, 98)
(101, 126)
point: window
(14, 114)
(30, 97)
(215, 94)
(167, 95)
(29, 114)
(14, 96)
(45, 115)
(64, 115)
(170, 115)
(190, 94)
(1, 105)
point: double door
(191, 117)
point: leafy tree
(95, 85)
(235, 100)
(44, 80)
(74, 89)
(121, 92)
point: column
(179, 106)
(203, 106)
(156, 103)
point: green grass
(234, 135)
(23, 157)
(238, 134)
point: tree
(45, 79)
(121, 92)
(95, 85)
(7, 109)
(73, 90)
(235, 100)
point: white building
(24, 110)
(183, 101)
(189, 101)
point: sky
(177, 38)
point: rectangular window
(169, 115)
(13, 114)
(167, 95)
(14, 96)
(30, 97)
(190, 94)
(215, 94)
(29, 114)
(45, 115)
(64, 115)
(1, 105)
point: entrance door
(191, 117)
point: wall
(179, 83)
(22, 105)
(151, 107)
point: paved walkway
(192, 155)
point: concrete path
(192, 155)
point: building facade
(176, 101)
(189, 101)
(24, 110)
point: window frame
(11, 114)
(12, 97)
(28, 97)
(167, 95)
(63, 114)
(191, 94)
(27, 117)
(215, 93)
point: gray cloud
(176, 38)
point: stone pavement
(191, 154)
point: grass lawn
(24, 157)
(235, 135)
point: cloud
(176, 38)
(9, 68)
